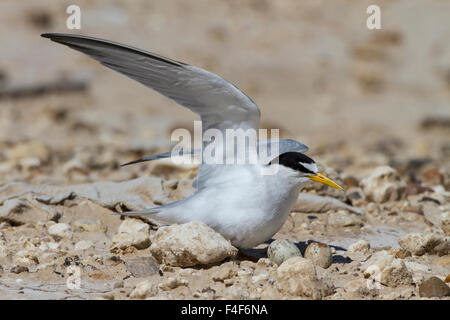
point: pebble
(443, 248)
(342, 218)
(132, 232)
(434, 287)
(297, 276)
(432, 177)
(359, 246)
(396, 274)
(224, 272)
(144, 289)
(383, 184)
(445, 222)
(172, 283)
(281, 250)
(260, 277)
(62, 230)
(319, 254)
(420, 243)
(190, 244)
(19, 269)
(89, 225)
(384, 268)
(31, 149)
(142, 267)
(83, 245)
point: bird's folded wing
(219, 103)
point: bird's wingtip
(47, 35)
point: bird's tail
(154, 210)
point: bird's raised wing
(219, 103)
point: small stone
(319, 254)
(384, 184)
(30, 163)
(359, 246)
(62, 230)
(444, 261)
(297, 276)
(445, 222)
(172, 283)
(443, 248)
(83, 245)
(434, 287)
(142, 267)
(225, 271)
(19, 269)
(190, 244)
(132, 232)
(400, 253)
(118, 285)
(416, 267)
(342, 218)
(351, 182)
(260, 277)
(396, 274)
(432, 177)
(264, 262)
(432, 213)
(420, 243)
(384, 268)
(415, 188)
(31, 149)
(281, 250)
(89, 225)
(144, 289)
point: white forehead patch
(310, 166)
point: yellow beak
(327, 181)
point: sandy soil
(358, 98)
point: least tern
(237, 201)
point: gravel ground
(373, 106)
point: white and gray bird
(238, 201)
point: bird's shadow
(257, 253)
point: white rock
(359, 246)
(384, 184)
(342, 218)
(224, 272)
(144, 289)
(89, 225)
(53, 245)
(132, 232)
(62, 230)
(396, 274)
(417, 267)
(172, 283)
(384, 268)
(420, 243)
(190, 244)
(297, 276)
(260, 277)
(83, 245)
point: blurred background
(357, 97)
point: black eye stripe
(303, 169)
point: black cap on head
(294, 160)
